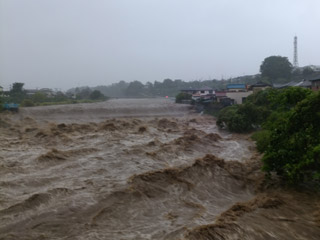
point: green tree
(276, 68)
(242, 118)
(183, 96)
(308, 71)
(83, 93)
(283, 100)
(293, 151)
(96, 95)
(248, 116)
(27, 103)
(60, 97)
(168, 83)
(135, 89)
(39, 97)
(17, 94)
(17, 87)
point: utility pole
(295, 52)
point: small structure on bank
(205, 93)
(304, 84)
(259, 86)
(312, 83)
(237, 87)
(46, 91)
(238, 92)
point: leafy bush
(96, 94)
(183, 96)
(259, 107)
(230, 118)
(262, 139)
(293, 151)
(260, 98)
(286, 99)
(39, 97)
(242, 118)
(290, 135)
(27, 103)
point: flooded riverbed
(136, 169)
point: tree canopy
(293, 149)
(308, 71)
(289, 130)
(17, 93)
(275, 68)
(135, 89)
(96, 95)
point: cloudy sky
(70, 43)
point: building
(315, 83)
(47, 91)
(304, 84)
(259, 86)
(238, 92)
(220, 95)
(31, 92)
(239, 97)
(200, 93)
(237, 87)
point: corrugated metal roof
(305, 83)
(197, 89)
(315, 79)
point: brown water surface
(138, 169)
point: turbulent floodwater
(138, 169)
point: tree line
(17, 94)
(273, 70)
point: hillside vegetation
(288, 130)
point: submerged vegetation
(288, 130)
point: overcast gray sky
(70, 43)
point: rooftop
(197, 89)
(303, 83)
(237, 85)
(261, 84)
(314, 78)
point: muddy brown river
(139, 169)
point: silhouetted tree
(135, 89)
(276, 67)
(39, 97)
(96, 95)
(17, 93)
(83, 93)
(308, 71)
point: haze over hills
(64, 44)
(169, 87)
